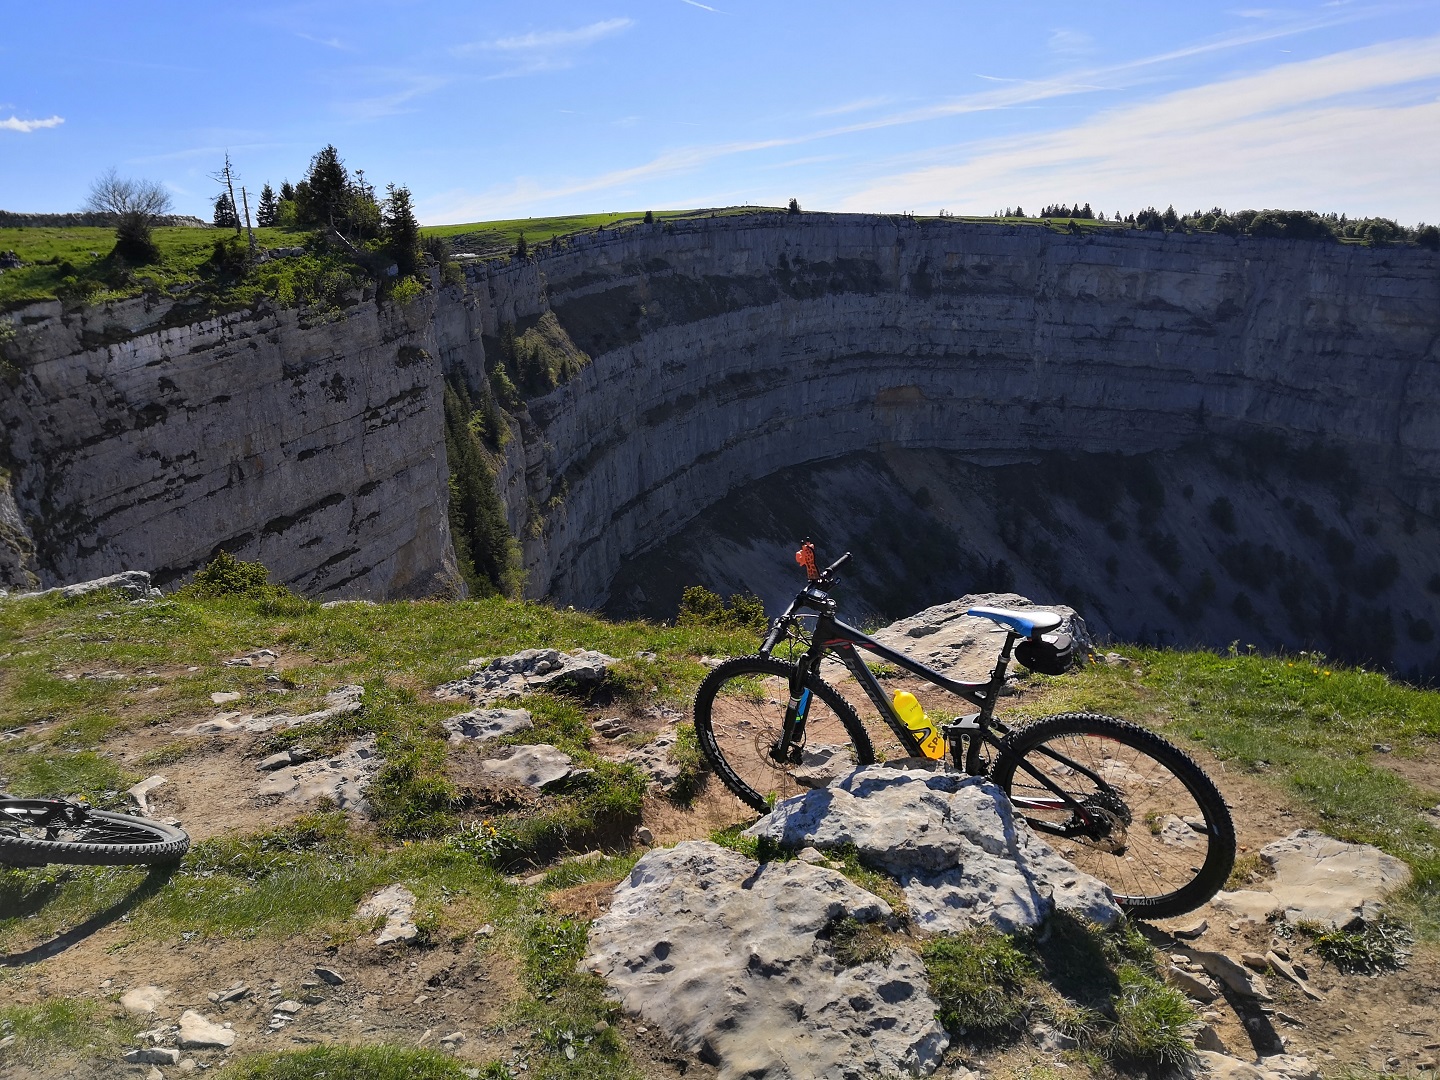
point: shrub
(978, 979)
(701, 607)
(226, 575)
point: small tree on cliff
(794, 207)
(225, 216)
(135, 204)
(402, 231)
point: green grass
(58, 1027)
(349, 1063)
(490, 237)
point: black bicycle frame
(833, 636)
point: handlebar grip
(837, 564)
(772, 639)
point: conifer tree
(402, 231)
(266, 211)
(225, 216)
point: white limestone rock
(143, 1000)
(954, 843)
(534, 766)
(1319, 879)
(343, 778)
(199, 1033)
(730, 960)
(480, 725)
(529, 672)
(396, 905)
(341, 701)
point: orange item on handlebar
(806, 558)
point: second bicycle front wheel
(1150, 823)
(739, 711)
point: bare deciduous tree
(134, 204)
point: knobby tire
(107, 839)
(739, 710)
(1168, 867)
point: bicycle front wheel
(1151, 824)
(100, 839)
(739, 711)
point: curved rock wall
(728, 348)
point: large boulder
(955, 844)
(732, 961)
(965, 646)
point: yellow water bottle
(912, 714)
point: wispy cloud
(403, 89)
(1070, 43)
(329, 43)
(27, 126)
(854, 106)
(543, 50)
(525, 194)
(704, 7)
(1341, 127)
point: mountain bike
(1120, 802)
(35, 832)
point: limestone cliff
(717, 352)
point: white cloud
(704, 7)
(27, 126)
(1356, 131)
(557, 39)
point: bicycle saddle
(1029, 623)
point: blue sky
(501, 109)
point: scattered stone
(154, 1074)
(724, 954)
(821, 765)
(258, 658)
(396, 905)
(529, 672)
(289, 1008)
(488, 930)
(534, 766)
(153, 1055)
(1191, 986)
(141, 792)
(339, 702)
(953, 842)
(223, 697)
(451, 1041)
(1051, 1041)
(611, 727)
(187, 1065)
(1192, 930)
(143, 1000)
(1320, 879)
(1207, 1038)
(235, 993)
(1254, 961)
(1293, 972)
(274, 761)
(198, 1033)
(329, 975)
(482, 724)
(813, 856)
(653, 759)
(644, 836)
(328, 604)
(587, 857)
(1231, 974)
(343, 779)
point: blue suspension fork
(792, 732)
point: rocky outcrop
(731, 960)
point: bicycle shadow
(154, 880)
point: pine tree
(225, 216)
(322, 196)
(266, 211)
(402, 231)
(287, 191)
(521, 250)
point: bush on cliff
(487, 553)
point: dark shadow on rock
(154, 881)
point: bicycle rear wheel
(1153, 826)
(739, 711)
(99, 838)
